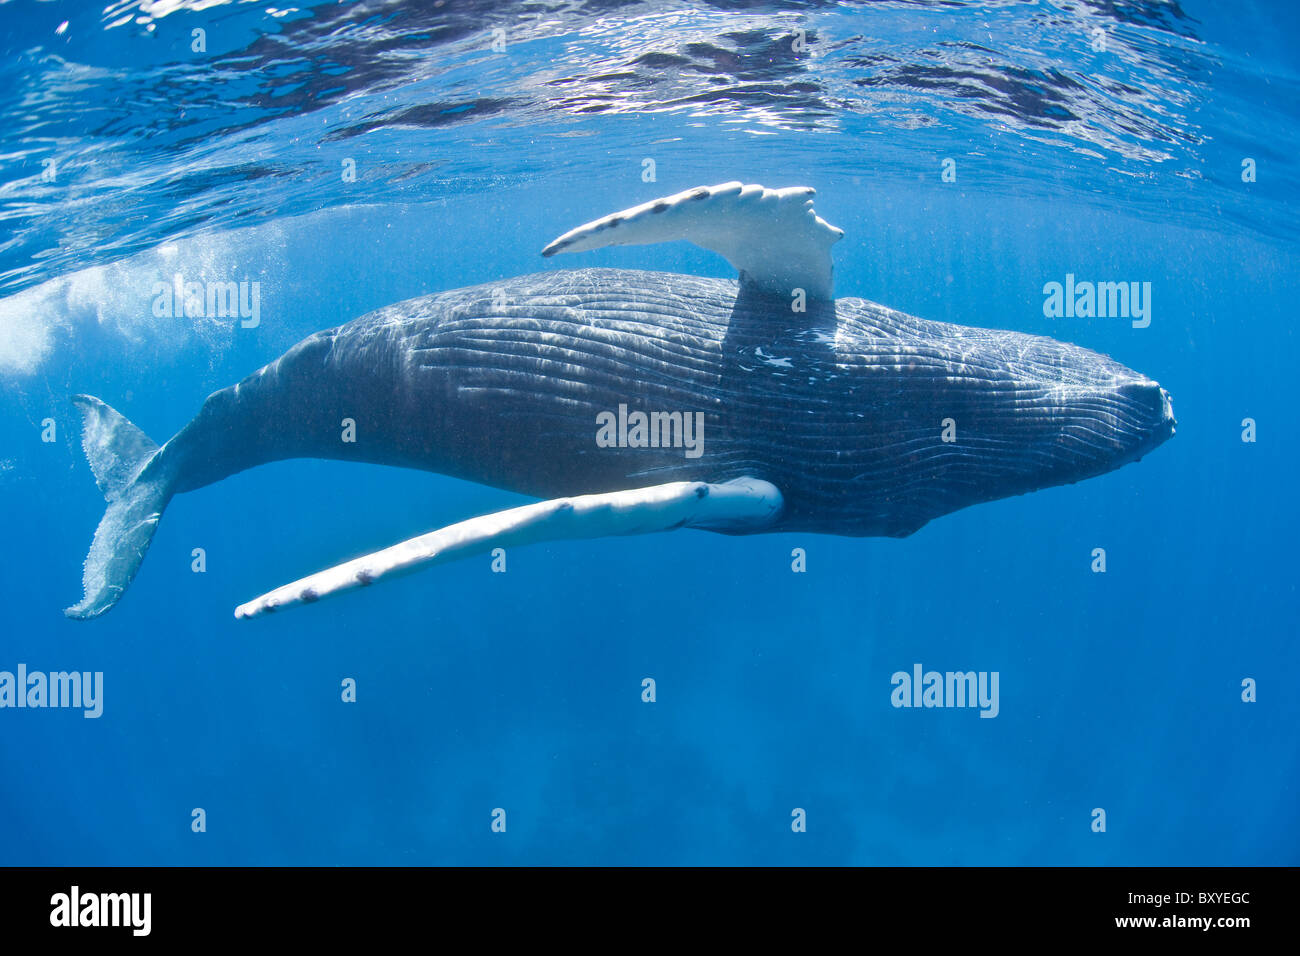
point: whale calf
(579, 387)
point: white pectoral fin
(742, 505)
(772, 236)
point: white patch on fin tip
(773, 237)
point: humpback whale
(574, 386)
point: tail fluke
(119, 454)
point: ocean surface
(345, 156)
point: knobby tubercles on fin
(737, 507)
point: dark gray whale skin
(841, 407)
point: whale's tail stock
(124, 460)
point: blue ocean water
(350, 155)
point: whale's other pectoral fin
(772, 236)
(739, 506)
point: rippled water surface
(154, 140)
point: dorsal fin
(772, 236)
